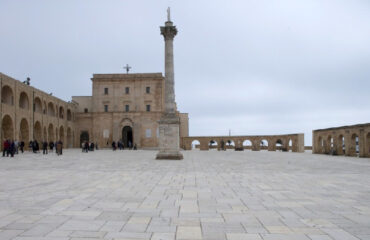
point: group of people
(35, 147)
(11, 147)
(119, 145)
(88, 146)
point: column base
(169, 156)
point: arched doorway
(354, 147)
(264, 144)
(213, 144)
(230, 144)
(127, 136)
(247, 144)
(279, 145)
(7, 128)
(84, 137)
(51, 133)
(341, 145)
(37, 132)
(195, 144)
(24, 133)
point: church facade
(124, 107)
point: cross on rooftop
(127, 67)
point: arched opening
(7, 96)
(61, 112)
(51, 111)
(24, 132)
(37, 132)
(247, 144)
(213, 144)
(7, 128)
(69, 138)
(56, 134)
(37, 105)
(127, 136)
(61, 134)
(264, 144)
(355, 148)
(290, 145)
(45, 136)
(23, 101)
(51, 133)
(84, 137)
(195, 144)
(69, 115)
(279, 145)
(230, 144)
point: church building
(124, 107)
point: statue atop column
(168, 14)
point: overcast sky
(252, 66)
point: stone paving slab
(209, 195)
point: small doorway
(127, 136)
(84, 137)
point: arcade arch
(37, 105)
(51, 110)
(24, 101)
(37, 132)
(7, 95)
(7, 128)
(24, 132)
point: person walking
(6, 148)
(86, 147)
(59, 148)
(51, 146)
(21, 146)
(12, 149)
(114, 146)
(44, 147)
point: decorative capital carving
(169, 32)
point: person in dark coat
(86, 147)
(12, 149)
(21, 146)
(51, 146)
(44, 147)
(114, 146)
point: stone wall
(346, 140)
(28, 113)
(293, 142)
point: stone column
(169, 125)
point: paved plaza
(209, 195)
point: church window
(127, 90)
(106, 91)
(148, 108)
(105, 108)
(147, 89)
(127, 108)
(86, 110)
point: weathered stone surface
(209, 195)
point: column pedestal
(169, 134)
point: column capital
(169, 31)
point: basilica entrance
(84, 137)
(127, 136)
